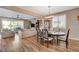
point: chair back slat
(39, 33)
(45, 33)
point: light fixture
(49, 9)
(49, 13)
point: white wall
(72, 23)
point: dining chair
(39, 34)
(46, 38)
(65, 39)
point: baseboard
(74, 39)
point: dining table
(56, 34)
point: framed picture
(78, 18)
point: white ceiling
(44, 10)
(13, 14)
(37, 11)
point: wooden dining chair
(65, 39)
(46, 38)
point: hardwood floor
(30, 44)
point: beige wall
(72, 23)
(0, 25)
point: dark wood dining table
(56, 34)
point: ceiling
(44, 10)
(40, 10)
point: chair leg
(37, 39)
(47, 44)
(66, 44)
(52, 42)
(59, 42)
(42, 41)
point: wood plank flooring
(30, 44)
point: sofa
(25, 33)
(7, 33)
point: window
(62, 21)
(55, 22)
(59, 22)
(5, 24)
(11, 24)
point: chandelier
(49, 13)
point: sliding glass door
(59, 22)
(12, 24)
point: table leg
(57, 40)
